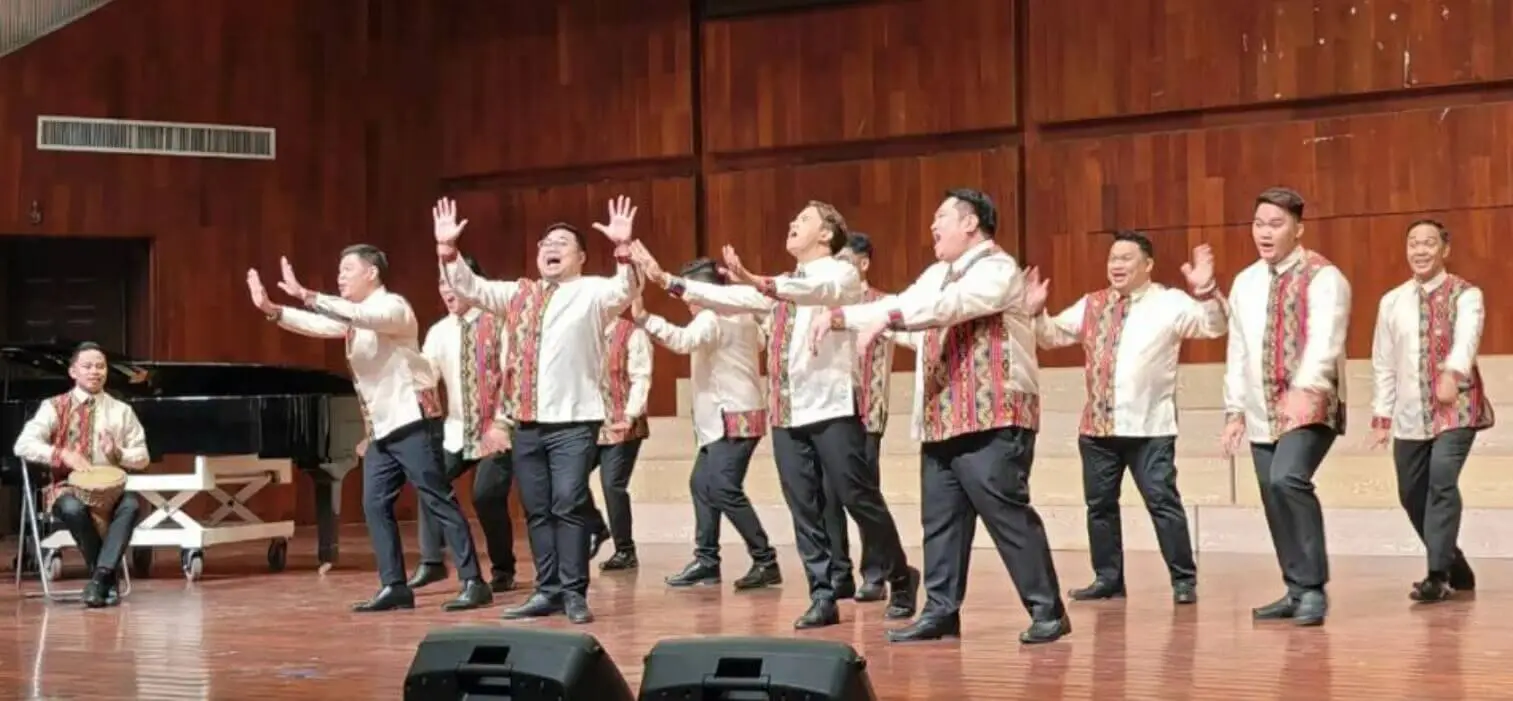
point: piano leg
(328, 481)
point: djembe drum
(100, 489)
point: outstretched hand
(644, 262)
(444, 222)
(734, 269)
(259, 293)
(621, 218)
(1200, 271)
(290, 284)
(1036, 291)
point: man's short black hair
(1138, 238)
(569, 228)
(860, 244)
(977, 202)
(83, 348)
(1444, 233)
(703, 270)
(1284, 198)
(370, 254)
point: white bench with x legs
(166, 525)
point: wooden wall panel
(527, 85)
(892, 200)
(298, 67)
(1417, 161)
(888, 69)
(1092, 59)
(1358, 173)
(504, 225)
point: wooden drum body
(100, 489)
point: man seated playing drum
(88, 437)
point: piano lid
(31, 368)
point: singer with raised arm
(89, 438)
(1430, 401)
(397, 388)
(558, 324)
(729, 419)
(1131, 333)
(817, 436)
(468, 349)
(1284, 392)
(976, 413)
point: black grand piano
(306, 416)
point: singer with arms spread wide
(976, 411)
(397, 388)
(816, 434)
(557, 403)
(729, 419)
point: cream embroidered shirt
(383, 349)
(1145, 363)
(570, 366)
(1323, 359)
(1396, 352)
(118, 439)
(724, 366)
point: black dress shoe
(904, 600)
(1046, 631)
(1099, 589)
(475, 594)
(387, 599)
(95, 593)
(621, 560)
(844, 588)
(870, 592)
(538, 606)
(1277, 610)
(760, 575)
(1432, 590)
(1185, 593)
(695, 574)
(576, 608)
(820, 614)
(427, 573)
(502, 583)
(595, 542)
(928, 627)
(1462, 578)
(1313, 607)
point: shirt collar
(1432, 283)
(970, 255)
(1287, 263)
(1140, 292)
(82, 396)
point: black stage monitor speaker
(513, 664)
(755, 669)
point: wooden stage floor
(243, 634)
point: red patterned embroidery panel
(872, 377)
(745, 424)
(1283, 342)
(488, 374)
(967, 371)
(75, 431)
(779, 379)
(1103, 318)
(525, 345)
(617, 387)
(1436, 313)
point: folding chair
(47, 547)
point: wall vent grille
(155, 138)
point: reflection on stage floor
(243, 634)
